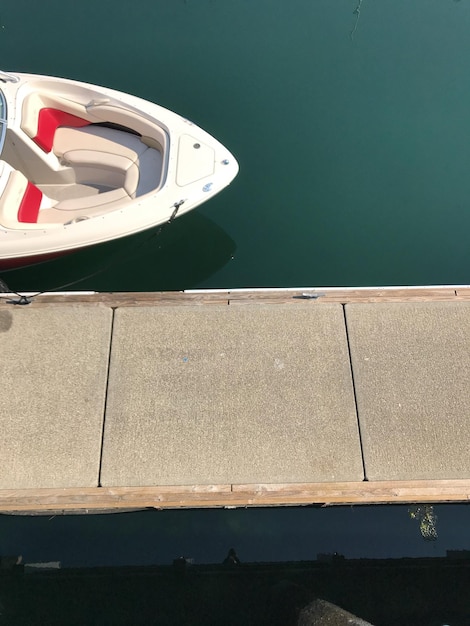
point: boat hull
(97, 165)
(23, 262)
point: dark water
(354, 160)
(282, 534)
(354, 153)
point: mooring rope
(22, 299)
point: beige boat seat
(23, 204)
(106, 164)
(109, 158)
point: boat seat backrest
(99, 138)
(43, 113)
(20, 201)
(151, 134)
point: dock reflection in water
(167, 567)
(258, 534)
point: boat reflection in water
(179, 256)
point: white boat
(82, 164)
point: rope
(22, 299)
(357, 13)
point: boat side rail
(3, 119)
(6, 77)
(5, 170)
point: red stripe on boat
(29, 206)
(48, 122)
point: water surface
(353, 152)
(354, 156)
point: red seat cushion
(29, 205)
(48, 122)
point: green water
(354, 152)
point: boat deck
(235, 398)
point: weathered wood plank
(126, 299)
(341, 295)
(361, 492)
(207, 496)
(346, 295)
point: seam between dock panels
(351, 369)
(105, 404)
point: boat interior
(74, 155)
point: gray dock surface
(234, 399)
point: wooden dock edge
(343, 295)
(115, 499)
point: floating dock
(118, 401)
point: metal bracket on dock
(21, 300)
(309, 296)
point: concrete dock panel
(221, 394)
(411, 364)
(53, 379)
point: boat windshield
(3, 119)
